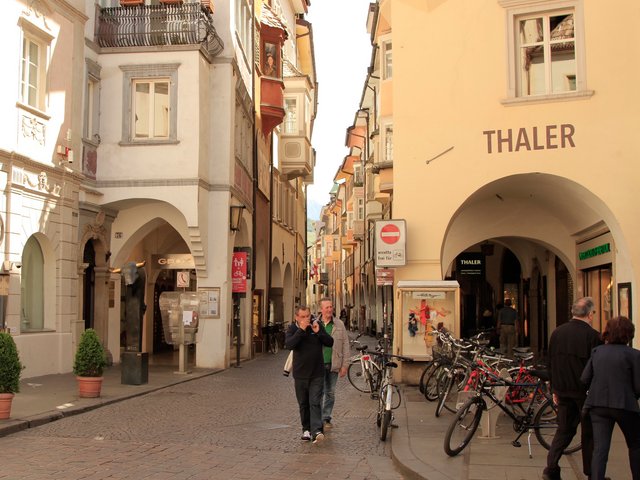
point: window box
(171, 2)
(131, 3)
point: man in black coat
(306, 339)
(569, 351)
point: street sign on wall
(239, 272)
(384, 277)
(391, 236)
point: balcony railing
(154, 25)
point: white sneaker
(306, 436)
(318, 438)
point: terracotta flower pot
(5, 405)
(89, 387)
(129, 3)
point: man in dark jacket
(306, 339)
(569, 351)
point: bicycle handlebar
(391, 355)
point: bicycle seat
(523, 355)
(392, 364)
(362, 348)
(522, 349)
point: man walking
(335, 358)
(307, 339)
(569, 350)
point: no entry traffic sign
(390, 243)
(390, 234)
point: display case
(425, 306)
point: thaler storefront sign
(548, 137)
(391, 243)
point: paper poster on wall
(209, 302)
(423, 312)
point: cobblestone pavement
(241, 423)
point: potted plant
(89, 364)
(10, 370)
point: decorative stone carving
(38, 9)
(40, 183)
(33, 129)
(94, 231)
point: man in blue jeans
(306, 339)
(336, 358)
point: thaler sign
(390, 243)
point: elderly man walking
(570, 348)
(335, 358)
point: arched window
(32, 287)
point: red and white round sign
(390, 234)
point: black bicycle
(540, 419)
(275, 337)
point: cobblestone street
(242, 423)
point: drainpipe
(254, 142)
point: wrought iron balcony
(155, 25)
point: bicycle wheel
(357, 377)
(445, 386)
(385, 421)
(545, 424)
(397, 398)
(451, 389)
(431, 385)
(424, 375)
(274, 344)
(463, 426)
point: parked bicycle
(275, 337)
(364, 373)
(389, 397)
(536, 418)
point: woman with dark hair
(612, 376)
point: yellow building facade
(514, 129)
(501, 132)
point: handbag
(288, 364)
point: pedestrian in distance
(570, 347)
(612, 376)
(307, 339)
(335, 358)
(507, 327)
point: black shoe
(546, 476)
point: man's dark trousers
(569, 417)
(309, 395)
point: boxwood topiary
(10, 366)
(91, 357)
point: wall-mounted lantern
(235, 215)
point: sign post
(390, 251)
